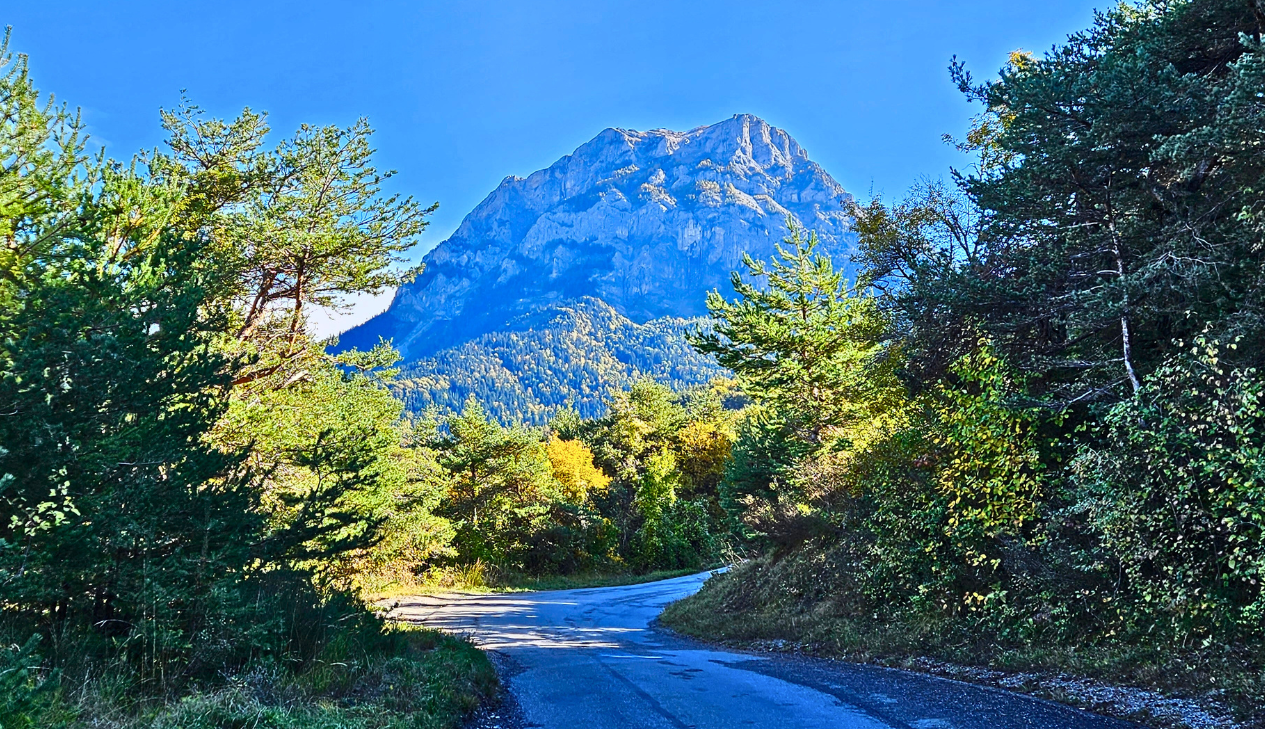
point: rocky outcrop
(646, 221)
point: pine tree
(1120, 192)
(799, 338)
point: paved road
(588, 659)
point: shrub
(1173, 494)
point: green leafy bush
(1172, 489)
(25, 686)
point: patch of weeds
(414, 678)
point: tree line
(194, 488)
(635, 490)
(575, 355)
(1035, 418)
(188, 480)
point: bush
(25, 688)
(1173, 495)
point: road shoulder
(503, 711)
(1134, 706)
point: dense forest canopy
(178, 455)
(574, 354)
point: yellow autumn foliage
(704, 447)
(573, 467)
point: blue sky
(464, 93)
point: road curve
(588, 659)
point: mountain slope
(576, 353)
(646, 221)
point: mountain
(646, 222)
(573, 353)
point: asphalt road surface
(589, 659)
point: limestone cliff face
(645, 221)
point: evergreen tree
(111, 378)
(144, 496)
(501, 485)
(1120, 190)
(799, 339)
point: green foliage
(641, 424)
(1096, 236)
(798, 338)
(501, 487)
(760, 468)
(922, 255)
(407, 677)
(111, 375)
(658, 445)
(990, 457)
(24, 689)
(653, 498)
(309, 222)
(179, 458)
(1119, 194)
(633, 490)
(566, 356)
(704, 446)
(1046, 430)
(1034, 420)
(1171, 489)
(808, 351)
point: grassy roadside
(575, 582)
(474, 580)
(421, 679)
(763, 605)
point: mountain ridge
(647, 222)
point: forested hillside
(575, 355)
(1031, 435)
(567, 285)
(198, 500)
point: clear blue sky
(464, 93)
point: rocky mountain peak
(647, 221)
